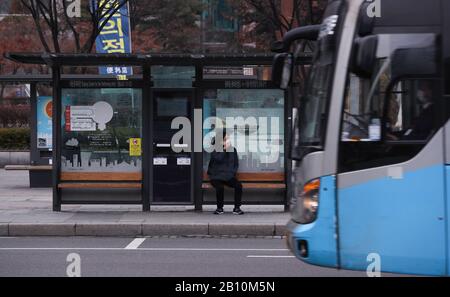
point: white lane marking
(268, 256)
(135, 243)
(144, 249)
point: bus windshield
(313, 109)
(313, 106)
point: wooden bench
(40, 176)
(100, 185)
(99, 180)
(246, 185)
(29, 167)
(254, 181)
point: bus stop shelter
(111, 135)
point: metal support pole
(288, 108)
(147, 140)
(56, 121)
(198, 156)
(34, 152)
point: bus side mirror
(310, 33)
(365, 56)
(414, 62)
(366, 22)
(282, 68)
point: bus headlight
(308, 202)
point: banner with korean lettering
(115, 36)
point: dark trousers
(232, 183)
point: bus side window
(411, 110)
(408, 114)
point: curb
(139, 229)
(174, 229)
(4, 229)
(242, 230)
(21, 229)
(108, 229)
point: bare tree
(53, 22)
(271, 10)
(299, 13)
(302, 12)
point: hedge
(14, 138)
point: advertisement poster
(88, 118)
(44, 122)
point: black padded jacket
(223, 166)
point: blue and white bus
(372, 138)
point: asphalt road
(166, 257)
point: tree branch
(31, 6)
(55, 31)
(76, 35)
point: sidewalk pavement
(28, 212)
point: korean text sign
(115, 36)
